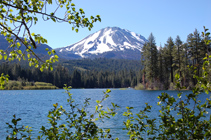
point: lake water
(32, 106)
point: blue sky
(164, 18)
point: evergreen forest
(185, 58)
(85, 73)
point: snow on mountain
(105, 41)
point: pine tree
(161, 68)
(16, 71)
(149, 59)
(169, 57)
(177, 55)
(76, 79)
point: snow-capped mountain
(110, 42)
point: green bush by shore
(25, 85)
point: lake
(32, 106)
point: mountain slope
(110, 42)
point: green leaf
(179, 95)
(207, 34)
(108, 91)
(53, 51)
(36, 66)
(41, 69)
(51, 68)
(53, 19)
(5, 57)
(50, 1)
(18, 44)
(56, 56)
(96, 107)
(19, 51)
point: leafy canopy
(18, 16)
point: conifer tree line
(176, 56)
(77, 79)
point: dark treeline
(184, 58)
(99, 77)
(101, 64)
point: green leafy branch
(3, 80)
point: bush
(139, 87)
(171, 86)
(13, 85)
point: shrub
(171, 86)
(139, 87)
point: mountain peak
(106, 40)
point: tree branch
(33, 11)
(29, 34)
(21, 42)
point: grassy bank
(22, 85)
